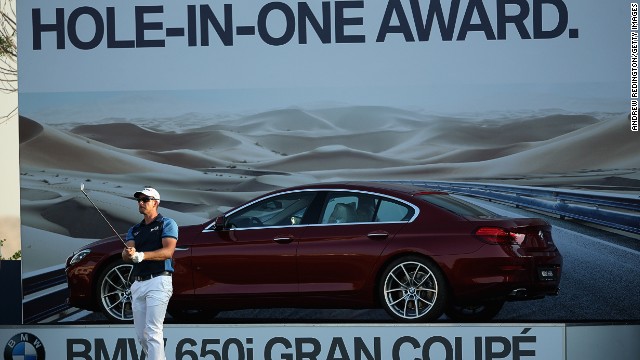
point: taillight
(495, 235)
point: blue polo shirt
(148, 237)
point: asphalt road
(600, 277)
(600, 283)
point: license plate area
(547, 274)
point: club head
(81, 186)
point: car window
(281, 210)
(340, 208)
(458, 206)
(392, 211)
(346, 207)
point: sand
(205, 167)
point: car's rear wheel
(474, 312)
(413, 289)
(114, 291)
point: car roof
(374, 186)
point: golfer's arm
(166, 252)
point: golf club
(105, 219)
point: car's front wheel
(413, 289)
(114, 291)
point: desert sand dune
(603, 145)
(130, 136)
(284, 120)
(206, 165)
(50, 148)
(332, 157)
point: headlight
(78, 256)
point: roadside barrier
(617, 211)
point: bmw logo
(24, 346)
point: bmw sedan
(416, 253)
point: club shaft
(105, 219)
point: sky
(583, 73)
(9, 162)
(9, 180)
(9, 188)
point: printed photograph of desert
(204, 164)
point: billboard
(214, 103)
(542, 341)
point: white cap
(148, 191)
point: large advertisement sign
(214, 103)
(297, 342)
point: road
(600, 276)
(600, 283)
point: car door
(255, 254)
(338, 256)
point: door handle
(283, 239)
(378, 235)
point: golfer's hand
(137, 257)
(127, 253)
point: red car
(414, 252)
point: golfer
(151, 244)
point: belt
(151, 276)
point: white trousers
(149, 302)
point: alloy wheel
(411, 290)
(115, 292)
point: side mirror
(218, 224)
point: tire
(474, 312)
(413, 289)
(113, 292)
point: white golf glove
(137, 257)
